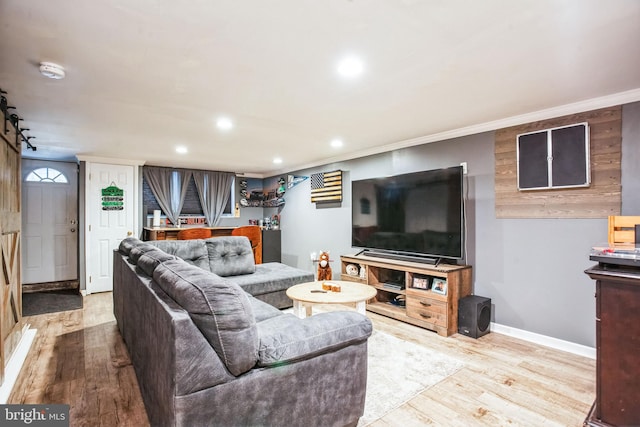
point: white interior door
(106, 228)
(49, 222)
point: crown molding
(619, 98)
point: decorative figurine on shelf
(324, 269)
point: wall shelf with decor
(412, 292)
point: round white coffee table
(305, 295)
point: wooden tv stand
(424, 307)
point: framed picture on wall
(439, 286)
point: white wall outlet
(313, 256)
(464, 168)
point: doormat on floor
(50, 302)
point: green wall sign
(112, 198)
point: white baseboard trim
(558, 344)
(12, 369)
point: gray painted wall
(532, 269)
(630, 159)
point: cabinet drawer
(429, 310)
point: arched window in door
(46, 175)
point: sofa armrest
(287, 338)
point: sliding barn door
(10, 288)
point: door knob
(73, 230)
(129, 233)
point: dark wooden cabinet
(271, 246)
(617, 346)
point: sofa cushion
(262, 310)
(219, 308)
(127, 244)
(230, 255)
(151, 259)
(272, 277)
(286, 338)
(192, 251)
(136, 252)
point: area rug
(50, 302)
(398, 370)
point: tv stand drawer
(428, 310)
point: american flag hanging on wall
(326, 187)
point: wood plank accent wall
(10, 227)
(601, 199)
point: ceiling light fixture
(181, 149)
(277, 160)
(350, 67)
(337, 143)
(224, 123)
(52, 71)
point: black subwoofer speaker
(474, 316)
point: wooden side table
(305, 295)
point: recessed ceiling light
(337, 143)
(52, 70)
(224, 123)
(181, 150)
(350, 67)
(277, 160)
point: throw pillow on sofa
(220, 309)
(231, 256)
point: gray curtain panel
(214, 190)
(170, 197)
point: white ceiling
(144, 76)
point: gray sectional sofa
(208, 353)
(233, 256)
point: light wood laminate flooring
(79, 358)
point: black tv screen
(418, 213)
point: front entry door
(49, 221)
(107, 224)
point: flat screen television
(416, 215)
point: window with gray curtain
(214, 190)
(169, 186)
(192, 204)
